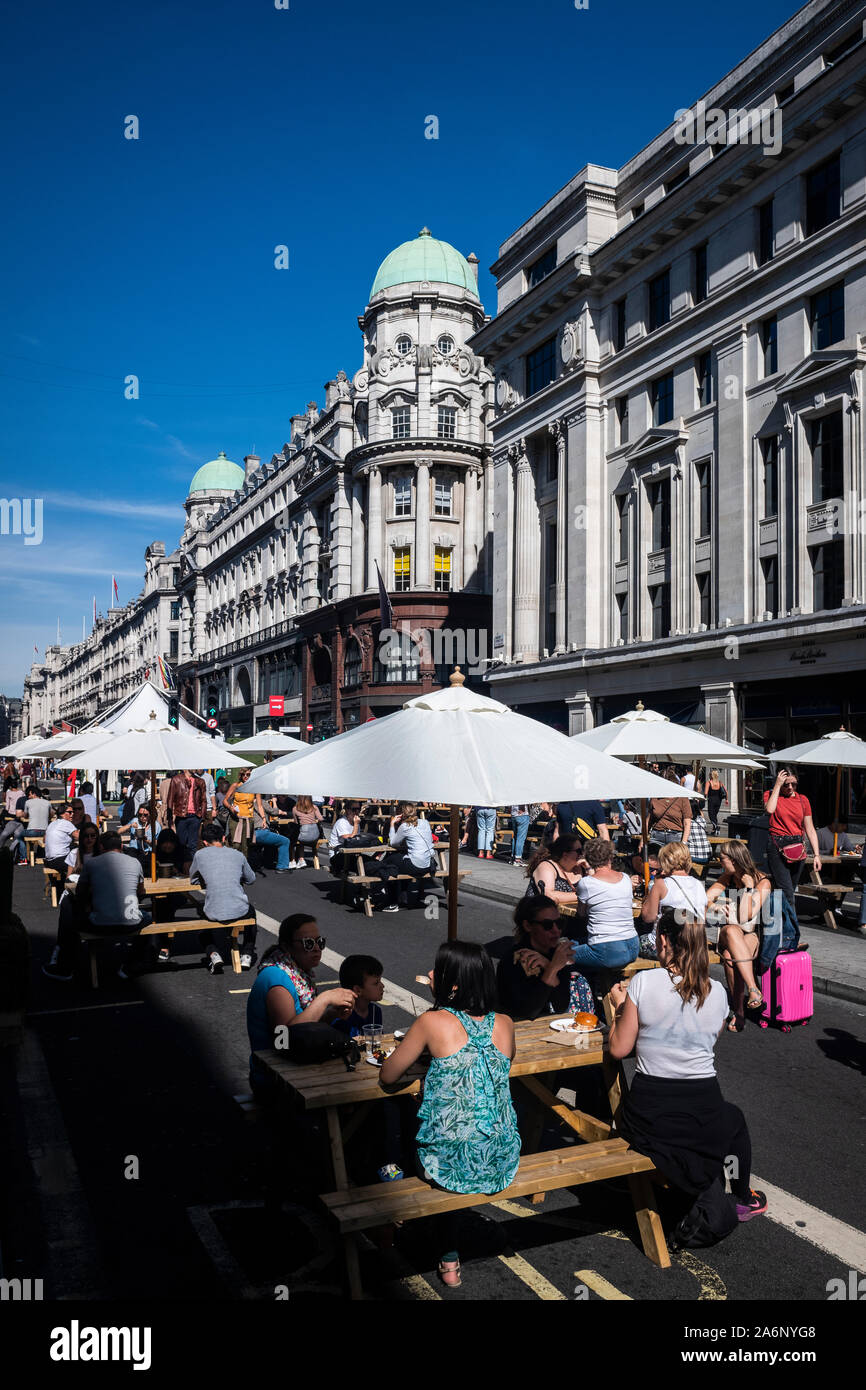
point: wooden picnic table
(830, 894)
(329, 1086)
(159, 887)
(438, 870)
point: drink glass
(372, 1038)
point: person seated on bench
(363, 976)
(60, 835)
(835, 834)
(605, 904)
(345, 834)
(309, 818)
(38, 810)
(141, 836)
(418, 861)
(223, 871)
(16, 808)
(535, 978)
(675, 1112)
(285, 993)
(468, 1139)
(89, 844)
(263, 835)
(675, 888)
(553, 871)
(744, 889)
(107, 896)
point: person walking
(790, 820)
(520, 818)
(717, 792)
(186, 802)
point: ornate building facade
(678, 447)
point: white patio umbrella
(23, 748)
(839, 749)
(158, 746)
(462, 749)
(269, 741)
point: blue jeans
(269, 837)
(520, 826)
(606, 955)
(862, 918)
(485, 821)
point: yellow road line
(418, 1286)
(601, 1286)
(239, 991)
(531, 1277)
(512, 1208)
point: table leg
(827, 913)
(235, 949)
(360, 870)
(338, 1157)
(648, 1221)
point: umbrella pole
(644, 830)
(836, 810)
(453, 880)
(152, 825)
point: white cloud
(104, 506)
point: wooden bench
(408, 1199)
(365, 881)
(170, 929)
(51, 884)
(32, 843)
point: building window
(536, 272)
(402, 569)
(705, 499)
(622, 419)
(403, 344)
(770, 569)
(445, 344)
(766, 232)
(446, 424)
(548, 456)
(401, 422)
(175, 577)
(401, 664)
(660, 602)
(443, 492)
(175, 610)
(550, 585)
(619, 325)
(660, 510)
(770, 345)
(622, 616)
(825, 438)
(770, 463)
(540, 366)
(441, 570)
(823, 195)
(827, 316)
(622, 527)
(700, 273)
(402, 496)
(704, 370)
(352, 664)
(827, 575)
(660, 300)
(705, 615)
(663, 399)
(173, 648)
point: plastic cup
(372, 1038)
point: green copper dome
(425, 258)
(220, 475)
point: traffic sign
(213, 723)
(276, 705)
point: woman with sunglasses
(535, 978)
(285, 992)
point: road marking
(83, 1008)
(512, 1208)
(601, 1286)
(845, 1243)
(533, 1280)
(417, 1285)
(713, 1288)
(240, 991)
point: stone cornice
(359, 460)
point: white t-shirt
(341, 827)
(114, 880)
(58, 838)
(610, 916)
(686, 893)
(675, 1040)
(689, 782)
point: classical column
(422, 526)
(374, 526)
(721, 720)
(557, 430)
(471, 556)
(526, 556)
(357, 539)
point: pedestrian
(240, 805)
(588, 819)
(790, 820)
(308, 819)
(185, 807)
(485, 827)
(717, 792)
(223, 871)
(520, 819)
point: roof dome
(220, 475)
(425, 258)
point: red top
(790, 812)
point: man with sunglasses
(222, 871)
(534, 977)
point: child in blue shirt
(363, 976)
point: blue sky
(260, 127)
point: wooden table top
(328, 1083)
(155, 887)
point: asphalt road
(128, 1096)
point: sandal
(449, 1273)
(755, 1003)
(735, 1022)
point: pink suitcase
(787, 990)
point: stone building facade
(678, 446)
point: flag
(386, 612)
(35, 650)
(165, 672)
(94, 610)
(114, 587)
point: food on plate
(582, 1020)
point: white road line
(83, 1008)
(834, 1237)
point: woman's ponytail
(691, 961)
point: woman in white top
(744, 891)
(675, 888)
(604, 901)
(416, 860)
(675, 1112)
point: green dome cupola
(425, 258)
(220, 475)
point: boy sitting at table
(363, 976)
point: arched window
(352, 664)
(245, 693)
(397, 661)
(403, 344)
(321, 659)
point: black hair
(527, 910)
(288, 927)
(355, 969)
(110, 840)
(86, 788)
(213, 833)
(464, 978)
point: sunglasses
(309, 943)
(549, 925)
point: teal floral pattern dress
(468, 1139)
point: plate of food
(575, 1023)
(377, 1056)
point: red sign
(213, 723)
(309, 728)
(276, 705)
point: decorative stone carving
(504, 391)
(344, 390)
(571, 344)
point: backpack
(779, 934)
(128, 810)
(585, 830)
(712, 1217)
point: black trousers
(784, 875)
(388, 868)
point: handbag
(310, 1043)
(791, 848)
